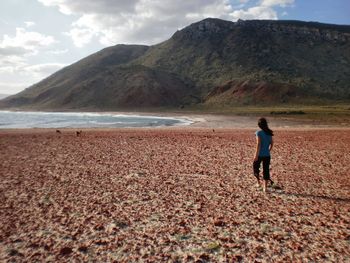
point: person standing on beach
(264, 144)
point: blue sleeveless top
(265, 143)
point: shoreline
(209, 121)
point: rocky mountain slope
(211, 62)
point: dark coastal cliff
(210, 62)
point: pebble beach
(184, 194)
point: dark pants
(266, 167)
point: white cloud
(10, 51)
(135, 21)
(238, 4)
(258, 12)
(29, 23)
(90, 6)
(10, 64)
(282, 3)
(40, 71)
(14, 50)
(81, 35)
(151, 21)
(12, 74)
(60, 3)
(14, 64)
(12, 88)
(58, 51)
(265, 10)
(28, 41)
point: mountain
(211, 62)
(313, 59)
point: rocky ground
(173, 195)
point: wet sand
(244, 122)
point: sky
(39, 37)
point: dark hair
(263, 125)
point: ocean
(21, 119)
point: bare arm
(258, 145)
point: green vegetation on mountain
(207, 64)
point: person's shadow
(324, 197)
